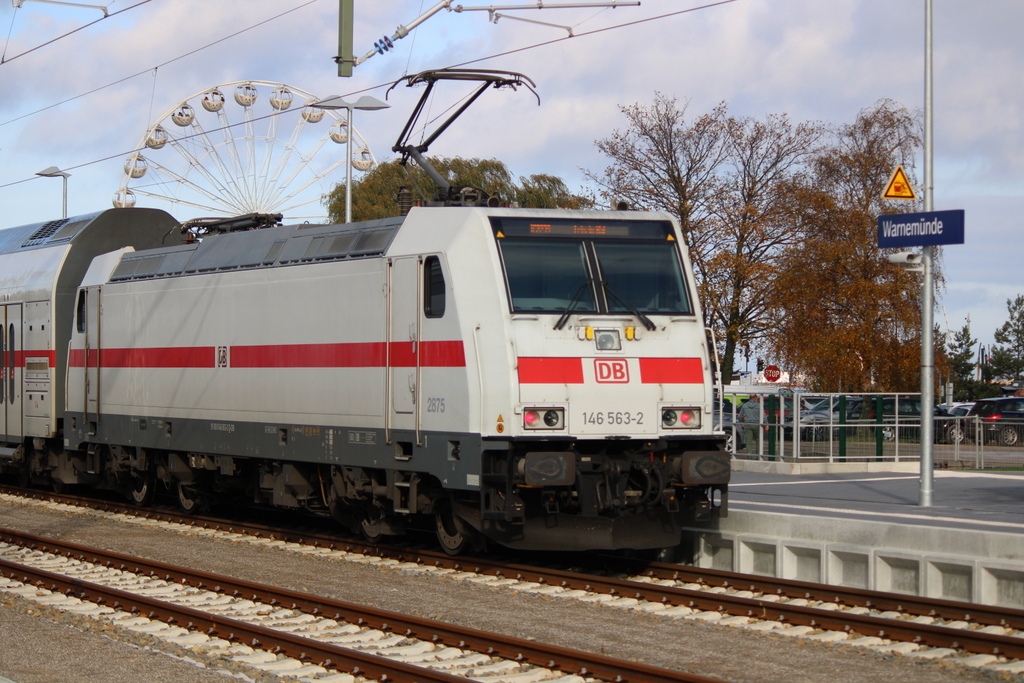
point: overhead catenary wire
(162, 64)
(372, 87)
(69, 33)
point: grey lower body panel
(439, 454)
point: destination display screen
(573, 227)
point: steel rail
(854, 597)
(865, 624)
(303, 649)
(497, 645)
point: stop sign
(772, 373)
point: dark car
(907, 410)
(958, 415)
(996, 420)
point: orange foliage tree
(846, 317)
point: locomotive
(537, 378)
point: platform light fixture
(54, 172)
(364, 103)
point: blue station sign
(921, 229)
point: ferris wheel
(249, 156)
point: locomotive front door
(92, 353)
(11, 360)
(403, 342)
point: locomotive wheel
(189, 499)
(141, 489)
(450, 532)
(370, 531)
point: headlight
(607, 340)
(680, 418)
(544, 418)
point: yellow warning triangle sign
(898, 186)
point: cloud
(810, 59)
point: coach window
(433, 288)
(13, 360)
(3, 362)
(81, 311)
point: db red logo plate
(611, 371)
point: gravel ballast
(39, 645)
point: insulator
(404, 200)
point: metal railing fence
(838, 428)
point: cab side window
(80, 316)
(433, 288)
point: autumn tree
(846, 316)
(375, 195)
(662, 162)
(722, 178)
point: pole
(348, 168)
(345, 58)
(65, 194)
(928, 285)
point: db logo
(611, 371)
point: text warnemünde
(921, 227)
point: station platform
(865, 529)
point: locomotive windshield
(563, 266)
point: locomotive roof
(263, 248)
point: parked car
(902, 414)
(996, 420)
(905, 410)
(816, 420)
(955, 432)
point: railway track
(889, 622)
(315, 633)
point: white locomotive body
(540, 378)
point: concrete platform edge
(789, 467)
(932, 561)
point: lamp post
(54, 172)
(364, 103)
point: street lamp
(364, 103)
(54, 172)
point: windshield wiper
(572, 304)
(632, 309)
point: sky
(83, 102)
